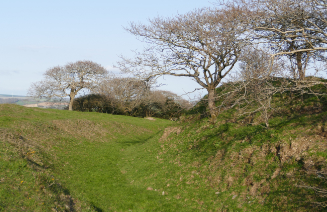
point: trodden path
(111, 176)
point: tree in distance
(204, 44)
(62, 81)
(135, 97)
(125, 92)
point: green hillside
(73, 161)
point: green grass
(261, 168)
(25, 102)
(73, 161)
(83, 161)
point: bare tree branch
(204, 44)
(62, 81)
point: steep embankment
(240, 166)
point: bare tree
(204, 44)
(132, 96)
(62, 81)
(258, 82)
(165, 102)
(185, 104)
(294, 28)
(258, 76)
(126, 92)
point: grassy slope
(240, 166)
(61, 159)
(98, 162)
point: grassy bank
(72, 161)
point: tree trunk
(299, 65)
(71, 96)
(212, 105)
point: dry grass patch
(82, 128)
(168, 131)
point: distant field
(12, 96)
(31, 102)
(25, 102)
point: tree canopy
(68, 80)
(204, 44)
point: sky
(38, 35)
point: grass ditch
(72, 161)
(67, 161)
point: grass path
(102, 175)
(97, 158)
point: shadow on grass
(223, 138)
(134, 141)
(299, 120)
(97, 209)
(297, 197)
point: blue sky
(37, 35)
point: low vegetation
(157, 105)
(239, 166)
(73, 161)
